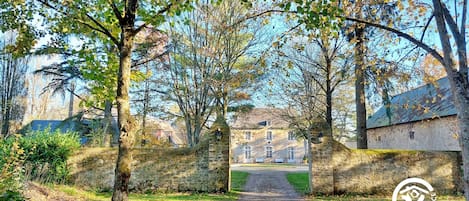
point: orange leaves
(432, 69)
(241, 96)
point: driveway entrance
(269, 183)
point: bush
(11, 169)
(47, 153)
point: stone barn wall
(342, 170)
(439, 134)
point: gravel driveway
(269, 183)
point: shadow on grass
(299, 181)
(238, 180)
(95, 196)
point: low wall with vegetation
(203, 168)
(152, 169)
(379, 171)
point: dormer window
(265, 123)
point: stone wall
(165, 170)
(342, 170)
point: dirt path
(268, 184)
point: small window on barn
(379, 139)
(411, 135)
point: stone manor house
(261, 136)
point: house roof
(39, 125)
(258, 118)
(176, 138)
(426, 102)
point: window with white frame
(247, 152)
(291, 135)
(268, 152)
(268, 135)
(291, 153)
(247, 135)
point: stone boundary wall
(343, 170)
(162, 170)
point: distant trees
(13, 68)
(210, 66)
(325, 59)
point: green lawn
(238, 179)
(94, 196)
(299, 181)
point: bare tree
(328, 62)
(304, 108)
(12, 82)
(211, 67)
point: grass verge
(299, 181)
(94, 196)
(374, 198)
(238, 180)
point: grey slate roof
(258, 117)
(425, 102)
(39, 125)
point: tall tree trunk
(463, 121)
(360, 87)
(72, 98)
(108, 131)
(146, 102)
(459, 81)
(197, 129)
(6, 120)
(328, 97)
(310, 163)
(190, 140)
(7, 94)
(126, 123)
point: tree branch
(406, 36)
(101, 29)
(451, 23)
(116, 11)
(104, 30)
(165, 9)
(426, 26)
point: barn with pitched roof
(424, 118)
